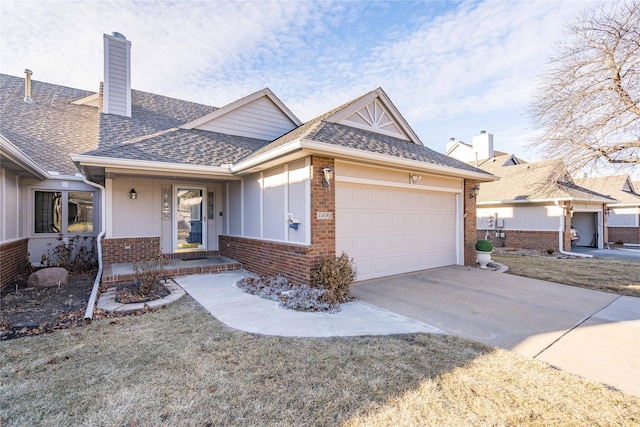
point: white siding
(274, 184)
(624, 217)
(140, 217)
(11, 214)
(117, 76)
(252, 206)
(538, 218)
(297, 202)
(234, 210)
(260, 119)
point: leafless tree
(588, 104)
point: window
(68, 211)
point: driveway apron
(589, 333)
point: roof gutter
(88, 314)
(18, 156)
(555, 201)
(332, 150)
(145, 165)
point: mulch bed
(27, 311)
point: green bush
(484, 246)
(148, 272)
(335, 275)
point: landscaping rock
(48, 277)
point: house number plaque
(324, 215)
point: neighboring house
(623, 219)
(532, 205)
(248, 180)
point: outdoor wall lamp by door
(328, 176)
(474, 192)
(133, 194)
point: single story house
(623, 216)
(532, 205)
(250, 181)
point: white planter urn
(483, 259)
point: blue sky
(452, 68)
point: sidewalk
(250, 313)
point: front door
(190, 227)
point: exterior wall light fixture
(328, 176)
(608, 211)
(474, 192)
(133, 194)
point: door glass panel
(190, 218)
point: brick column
(469, 223)
(323, 199)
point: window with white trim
(63, 212)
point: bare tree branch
(588, 103)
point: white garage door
(390, 231)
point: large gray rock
(47, 277)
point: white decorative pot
(483, 258)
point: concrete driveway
(589, 333)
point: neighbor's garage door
(390, 231)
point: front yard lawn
(180, 366)
(609, 275)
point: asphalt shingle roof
(50, 128)
(194, 147)
(531, 181)
(611, 186)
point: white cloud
(450, 68)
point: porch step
(115, 274)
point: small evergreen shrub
(335, 275)
(148, 272)
(484, 246)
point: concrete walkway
(589, 333)
(218, 294)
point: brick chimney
(116, 96)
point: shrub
(148, 272)
(76, 254)
(484, 246)
(295, 297)
(335, 275)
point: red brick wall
(129, 249)
(470, 237)
(624, 234)
(294, 261)
(13, 260)
(323, 199)
(267, 258)
(521, 239)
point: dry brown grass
(180, 366)
(609, 275)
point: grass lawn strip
(180, 366)
(608, 275)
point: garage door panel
(391, 231)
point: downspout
(561, 238)
(88, 314)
